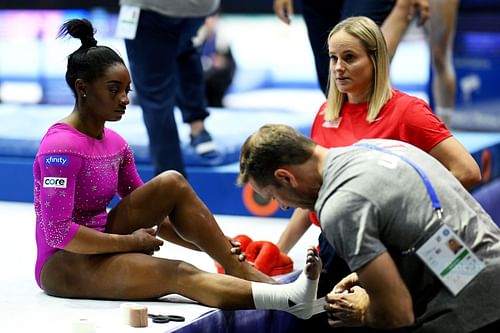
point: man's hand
(236, 249)
(284, 10)
(347, 308)
(346, 283)
(419, 8)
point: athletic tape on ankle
(316, 306)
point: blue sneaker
(203, 143)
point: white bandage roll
(125, 312)
(84, 326)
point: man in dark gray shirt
(391, 211)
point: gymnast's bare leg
(136, 276)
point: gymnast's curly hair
(90, 61)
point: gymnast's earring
(80, 89)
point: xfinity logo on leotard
(55, 182)
(59, 160)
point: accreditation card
(128, 19)
(450, 259)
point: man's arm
(297, 226)
(396, 24)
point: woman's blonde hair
(370, 35)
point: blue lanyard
(430, 190)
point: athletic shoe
(203, 143)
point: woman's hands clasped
(146, 240)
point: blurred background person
(167, 72)
(440, 33)
(219, 65)
(321, 16)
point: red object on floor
(244, 241)
(264, 255)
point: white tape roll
(139, 316)
(134, 314)
(84, 326)
(125, 312)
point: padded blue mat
(24, 125)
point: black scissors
(162, 319)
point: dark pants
(166, 71)
(493, 327)
(321, 16)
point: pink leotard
(76, 177)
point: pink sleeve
(57, 195)
(128, 179)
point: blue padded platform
(23, 127)
(215, 180)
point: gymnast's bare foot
(303, 291)
(297, 297)
(313, 264)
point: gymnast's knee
(171, 179)
(439, 59)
